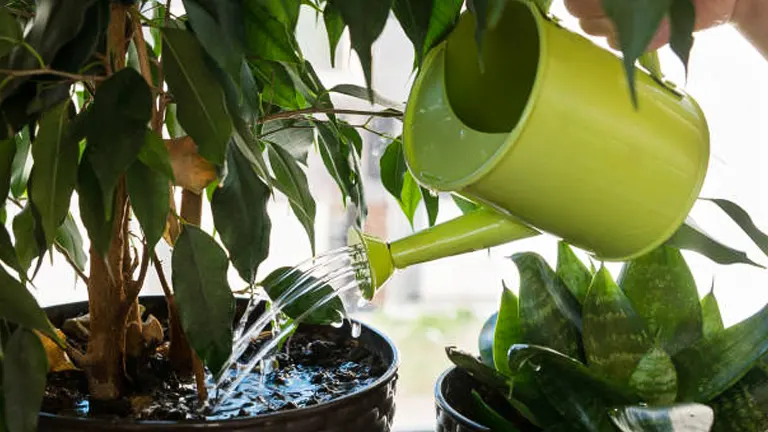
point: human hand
(594, 21)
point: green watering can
(546, 139)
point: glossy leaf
(691, 237)
(508, 330)
(614, 336)
(277, 86)
(282, 279)
(712, 365)
(21, 167)
(477, 369)
(489, 417)
(201, 108)
(7, 155)
(663, 292)
(582, 397)
(268, 35)
(362, 93)
(334, 26)
(30, 240)
(636, 23)
(25, 368)
(572, 271)
(149, 192)
(8, 252)
(744, 221)
(432, 204)
(485, 339)
(549, 314)
(682, 23)
(712, 321)
(17, 305)
(10, 31)
(154, 154)
(655, 378)
(54, 174)
(122, 108)
(338, 159)
(239, 209)
(682, 417)
(426, 22)
(220, 29)
(69, 238)
(296, 137)
(206, 303)
(398, 181)
(172, 122)
(744, 406)
(92, 210)
(464, 205)
(292, 181)
(366, 21)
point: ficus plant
(575, 350)
(126, 105)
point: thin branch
(306, 111)
(161, 277)
(136, 285)
(48, 71)
(71, 261)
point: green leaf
(487, 14)
(681, 417)
(8, 252)
(68, 237)
(691, 237)
(30, 241)
(334, 26)
(682, 22)
(292, 181)
(9, 29)
(464, 205)
(366, 21)
(17, 305)
(489, 417)
(426, 22)
(572, 271)
(149, 192)
(636, 23)
(549, 314)
(277, 86)
(712, 365)
(206, 303)
(662, 291)
(268, 36)
(117, 123)
(744, 221)
(20, 168)
(54, 173)
(338, 159)
(7, 155)
(282, 279)
(398, 181)
(296, 137)
(614, 337)
(220, 29)
(508, 330)
(477, 369)
(172, 122)
(154, 154)
(581, 396)
(92, 210)
(485, 339)
(24, 376)
(712, 321)
(432, 204)
(201, 108)
(362, 93)
(655, 378)
(239, 209)
(744, 406)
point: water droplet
(362, 302)
(338, 324)
(357, 328)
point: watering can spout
(476, 230)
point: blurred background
(427, 307)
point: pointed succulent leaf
(201, 108)
(489, 417)
(712, 321)
(18, 306)
(744, 406)
(426, 23)
(279, 285)
(712, 365)
(334, 26)
(655, 378)
(54, 174)
(25, 368)
(206, 303)
(682, 22)
(366, 21)
(663, 292)
(291, 180)
(681, 417)
(572, 271)
(614, 336)
(92, 207)
(477, 369)
(485, 339)
(69, 239)
(239, 207)
(549, 314)
(508, 330)
(149, 192)
(690, 237)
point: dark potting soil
(313, 367)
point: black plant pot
(453, 397)
(371, 409)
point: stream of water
(345, 270)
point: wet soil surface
(314, 366)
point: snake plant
(578, 351)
